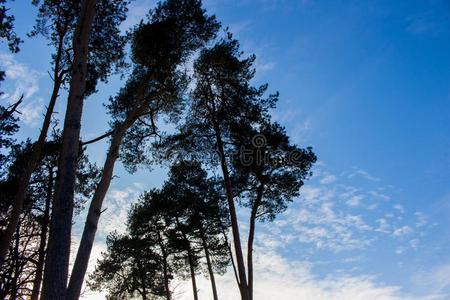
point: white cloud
(402, 231)
(25, 81)
(380, 195)
(422, 219)
(318, 220)
(278, 278)
(355, 200)
(328, 178)
(117, 204)
(364, 174)
(400, 208)
(436, 280)
(383, 226)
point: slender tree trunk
(43, 239)
(166, 278)
(93, 216)
(144, 294)
(243, 287)
(56, 268)
(209, 263)
(15, 279)
(165, 267)
(251, 238)
(143, 280)
(31, 163)
(230, 251)
(192, 269)
(190, 260)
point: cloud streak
(22, 80)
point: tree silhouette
(130, 267)
(268, 172)
(223, 98)
(28, 249)
(7, 32)
(181, 224)
(197, 210)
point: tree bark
(43, 240)
(31, 163)
(56, 268)
(192, 270)
(15, 279)
(93, 216)
(165, 266)
(230, 252)
(243, 287)
(251, 238)
(190, 260)
(209, 263)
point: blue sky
(367, 84)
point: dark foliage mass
(23, 269)
(178, 227)
(57, 21)
(7, 32)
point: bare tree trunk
(43, 239)
(93, 216)
(58, 252)
(190, 260)
(16, 267)
(209, 263)
(243, 287)
(251, 238)
(191, 268)
(31, 163)
(165, 267)
(230, 251)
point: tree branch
(109, 133)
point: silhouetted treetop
(7, 32)
(57, 21)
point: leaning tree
(155, 89)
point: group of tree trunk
(173, 232)
(179, 230)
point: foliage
(57, 21)
(265, 158)
(7, 28)
(174, 224)
(25, 248)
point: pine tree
(268, 172)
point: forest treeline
(226, 155)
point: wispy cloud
(431, 22)
(362, 173)
(333, 215)
(278, 278)
(320, 220)
(436, 280)
(22, 80)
